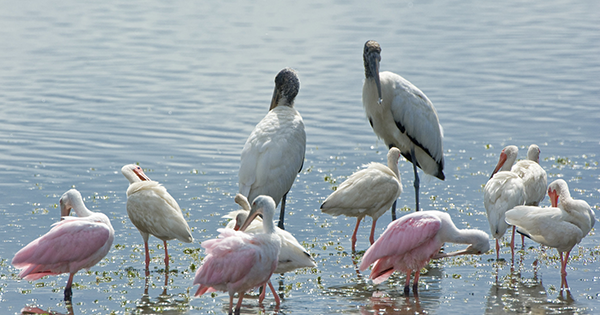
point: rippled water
(87, 88)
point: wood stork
(274, 152)
(403, 117)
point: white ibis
(561, 226)
(153, 211)
(504, 191)
(274, 152)
(533, 175)
(403, 117)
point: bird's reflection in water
(514, 293)
(388, 297)
(380, 303)
(32, 309)
(163, 304)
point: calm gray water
(87, 88)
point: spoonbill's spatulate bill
(368, 192)
(408, 243)
(153, 211)
(562, 226)
(274, 152)
(237, 261)
(403, 117)
(72, 244)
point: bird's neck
(80, 208)
(268, 226)
(468, 237)
(508, 164)
(394, 167)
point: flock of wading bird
(251, 248)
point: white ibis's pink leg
(512, 243)
(354, 234)
(563, 270)
(147, 259)
(497, 250)
(166, 257)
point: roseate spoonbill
(292, 255)
(153, 211)
(370, 191)
(237, 261)
(504, 191)
(403, 117)
(274, 152)
(408, 243)
(71, 245)
(533, 175)
(561, 226)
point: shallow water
(88, 88)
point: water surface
(177, 88)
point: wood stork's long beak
(275, 99)
(373, 63)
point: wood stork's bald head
(287, 86)
(372, 57)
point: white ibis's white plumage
(403, 117)
(533, 175)
(153, 211)
(504, 191)
(561, 226)
(274, 152)
(237, 261)
(370, 191)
